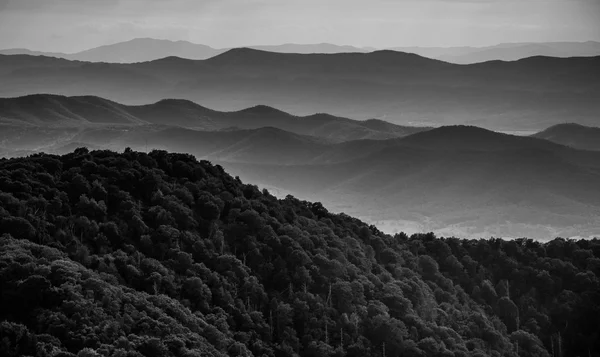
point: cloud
(223, 23)
(56, 5)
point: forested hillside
(135, 254)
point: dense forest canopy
(135, 254)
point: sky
(75, 25)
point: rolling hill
(135, 50)
(149, 49)
(447, 180)
(401, 88)
(161, 254)
(506, 51)
(60, 111)
(257, 146)
(573, 135)
(144, 49)
(312, 48)
(459, 180)
(503, 185)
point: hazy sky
(74, 25)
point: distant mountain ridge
(506, 51)
(60, 111)
(135, 50)
(149, 49)
(402, 88)
(515, 186)
(454, 180)
(573, 135)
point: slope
(53, 110)
(56, 111)
(533, 93)
(264, 145)
(458, 181)
(145, 49)
(158, 254)
(573, 135)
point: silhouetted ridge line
(466, 137)
(182, 103)
(61, 111)
(170, 60)
(246, 55)
(574, 135)
(262, 109)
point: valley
(452, 180)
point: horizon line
(368, 48)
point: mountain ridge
(402, 88)
(455, 179)
(574, 135)
(145, 49)
(57, 110)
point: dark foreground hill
(573, 135)
(135, 254)
(402, 88)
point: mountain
(53, 110)
(310, 48)
(458, 180)
(506, 51)
(265, 145)
(24, 51)
(454, 180)
(573, 135)
(256, 146)
(464, 138)
(405, 89)
(145, 49)
(159, 254)
(135, 50)
(359, 64)
(149, 49)
(60, 111)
